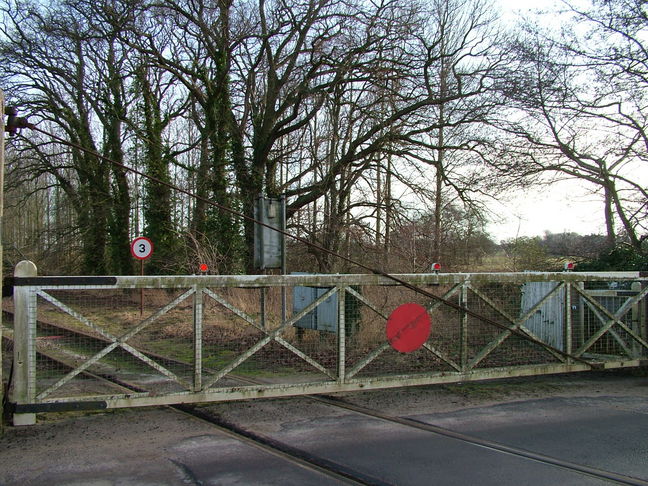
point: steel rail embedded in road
(489, 444)
(333, 469)
(303, 459)
(298, 456)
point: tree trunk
(610, 239)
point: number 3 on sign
(141, 248)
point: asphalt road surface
(597, 421)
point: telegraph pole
(2, 164)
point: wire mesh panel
(247, 337)
(502, 336)
(114, 337)
(368, 351)
(610, 320)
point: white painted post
(24, 337)
(341, 335)
(198, 333)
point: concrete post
(341, 329)
(24, 386)
(198, 333)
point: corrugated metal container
(324, 317)
(547, 322)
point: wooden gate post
(24, 345)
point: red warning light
(204, 267)
(569, 266)
(436, 267)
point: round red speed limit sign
(141, 248)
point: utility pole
(14, 123)
(2, 163)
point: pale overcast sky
(566, 206)
(562, 207)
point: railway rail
(321, 465)
(339, 472)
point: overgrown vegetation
(623, 257)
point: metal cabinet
(324, 317)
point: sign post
(141, 248)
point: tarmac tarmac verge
(160, 446)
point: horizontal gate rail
(79, 341)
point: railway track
(344, 471)
(321, 465)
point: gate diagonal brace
(115, 341)
(614, 319)
(517, 324)
(250, 320)
(385, 346)
(269, 337)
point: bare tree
(470, 46)
(384, 108)
(191, 42)
(578, 109)
(311, 99)
(70, 72)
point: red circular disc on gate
(408, 327)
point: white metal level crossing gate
(82, 342)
